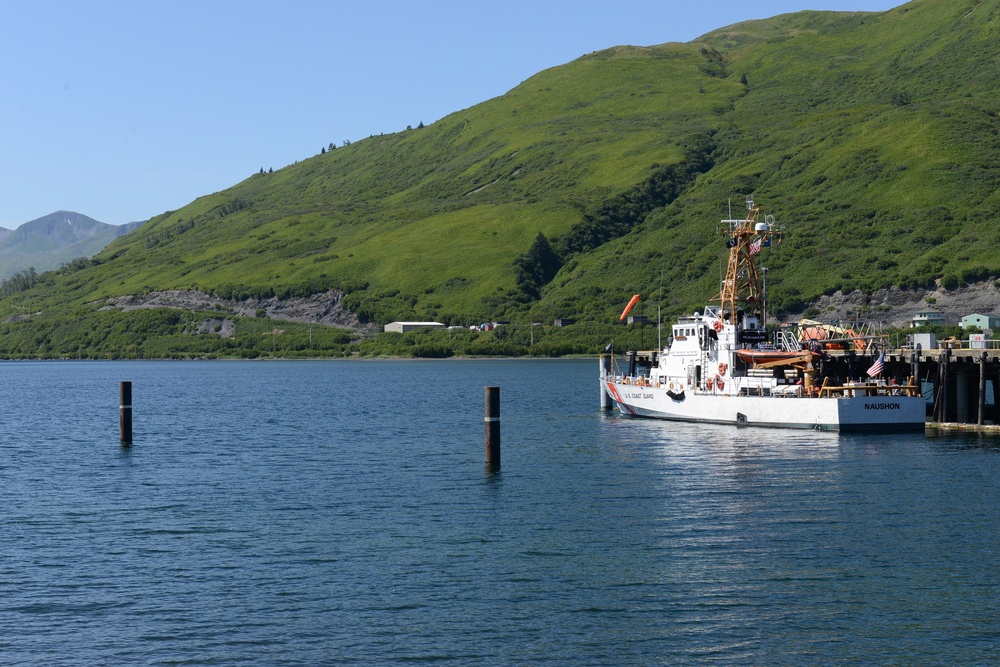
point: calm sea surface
(313, 513)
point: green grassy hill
(871, 137)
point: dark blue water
(340, 513)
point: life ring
(717, 325)
(719, 383)
(723, 368)
(708, 383)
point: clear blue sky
(124, 109)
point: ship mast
(742, 288)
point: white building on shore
(404, 327)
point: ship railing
(956, 344)
(870, 388)
(786, 341)
(861, 336)
(984, 344)
(860, 343)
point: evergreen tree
(537, 267)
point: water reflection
(355, 495)
(963, 441)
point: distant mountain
(52, 240)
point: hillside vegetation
(872, 137)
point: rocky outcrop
(322, 308)
(892, 306)
(897, 307)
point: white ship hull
(854, 413)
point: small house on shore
(980, 321)
(927, 317)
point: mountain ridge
(48, 242)
(872, 136)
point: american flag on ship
(755, 246)
(877, 367)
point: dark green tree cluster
(609, 220)
(19, 282)
(77, 264)
(235, 206)
(623, 213)
(537, 267)
(167, 234)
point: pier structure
(962, 385)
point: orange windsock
(631, 303)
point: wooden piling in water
(996, 398)
(946, 390)
(492, 419)
(982, 388)
(125, 412)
